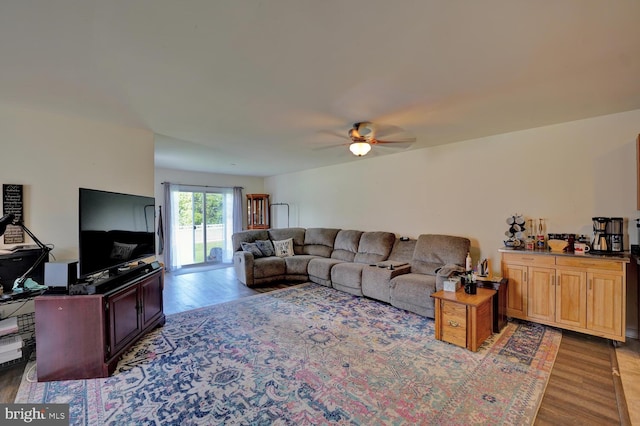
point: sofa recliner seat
(254, 271)
(316, 242)
(373, 247)
(344, 250)
(376, 280)
(412, 291)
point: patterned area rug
(309, 355)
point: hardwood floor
(582, 389)
(190, 291)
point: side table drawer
(454, 323)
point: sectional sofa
(401, 271)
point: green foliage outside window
(193, 201)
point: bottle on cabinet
(540, 240)
(469, 281)
(530, 242)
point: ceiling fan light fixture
(360, 148)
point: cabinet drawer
(608, 265)
(529, 259)
(454, 323)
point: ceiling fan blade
(334, 133)
(398, 145)
(405, 141)
(383, 131)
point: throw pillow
(251, 248)
(266, 247)
(122, 251)
(284, 248)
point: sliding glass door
(205, 225)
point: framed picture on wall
(12, 204)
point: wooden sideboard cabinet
(84, 336)
(580, 293)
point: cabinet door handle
(525, 276)
(453, 323)
(590, 283)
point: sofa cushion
(319, 241)
(266, 247)
(284, 248)
(412, 292)
(251, 248)
(402, 250)
(374, 247)
(279, 234)
(347, 277)
(376, 282)
(122, 251)
(298, 265)
(346, 245)
(266, 267)
(249, 236)
(319, 270)
(434, 251)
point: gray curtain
(237, 209)
(168, 218)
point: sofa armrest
(384, 274)
(376, 281)
(243, 264)
(446, 272)
(449, 270)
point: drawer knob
(453, 323)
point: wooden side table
(499, 300)
(463, 319)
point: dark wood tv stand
(84, 336)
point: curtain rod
(202, 186)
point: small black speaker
(61, 273)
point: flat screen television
(115, 230)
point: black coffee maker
(607, 235)
(615, 235)
(599, 242)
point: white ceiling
(261, 87)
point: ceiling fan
(364, 134)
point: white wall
(54, 155)
(250, 184)
(565, 173)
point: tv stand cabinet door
(124, 321)
(152, 308)
(70, 337)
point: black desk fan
(19, 285)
